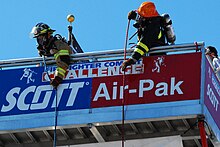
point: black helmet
(40, 29)
(211, 49)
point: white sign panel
(171, 141)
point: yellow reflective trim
(61, 71)
(56, 56)
(139, 51)
(143, 46)
(160, 34)
(61, 53)
(61, 74)
(43, 31)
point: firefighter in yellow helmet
(150, 31)
(49, 45)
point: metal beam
(99, 55)
(96, 134)
(65, 134)
(152, 127)
(169, 125)
(197, 142)
(47, 135)
(105, 131)
(14, 138)
(31, 136)
(186, 123)
(190, 137)
(82, 132)
(116, 129)
(134, 128)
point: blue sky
(100, 24)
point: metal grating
(105, 133)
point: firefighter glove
(127, 63)
(41, 53)
(132, 15)
(56, 81)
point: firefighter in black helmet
(49, 45)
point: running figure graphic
(158, 63)
(28, 73)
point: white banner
(171, 141)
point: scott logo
(42, 95)
(213, 99)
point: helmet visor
(34, 32)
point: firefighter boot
(56, 81)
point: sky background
(100, 24)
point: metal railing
(100, 55)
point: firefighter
(151, 31)
(49, 45)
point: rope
(55, 109)
(55, 120)
(123, 100)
